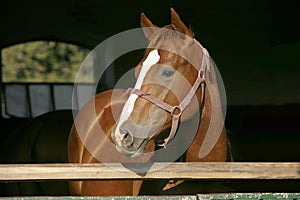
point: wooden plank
(211, 170)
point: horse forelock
(162, 39)
(168, 39)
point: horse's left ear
(179, 25)
(148, 28)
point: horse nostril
(127, 139)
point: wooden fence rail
(218, 170)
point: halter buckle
(202, 74)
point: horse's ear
(179, 25)
(148, 28)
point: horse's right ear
(148, 28)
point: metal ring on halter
(173, 111)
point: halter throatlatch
(176, 111)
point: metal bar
(52, 96)
(1, 86)
(28, 99)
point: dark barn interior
(255, 44)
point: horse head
(165, 90)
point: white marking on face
(152, 58)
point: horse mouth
(136, 150)
(133, 153)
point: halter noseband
(176, 111)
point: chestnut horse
(176, 81)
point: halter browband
(176, 111)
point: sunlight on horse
(170, 89)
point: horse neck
(217, 153)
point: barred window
(37, 77)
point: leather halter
(176, 111)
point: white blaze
(152, 59)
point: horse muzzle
(127, 143)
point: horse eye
(167, 73)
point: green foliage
(43, 61)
